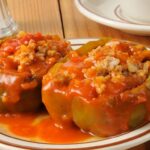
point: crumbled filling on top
(115, 62)
(27, 49)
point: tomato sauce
(41, 127)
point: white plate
(108, 12)
(119, 142)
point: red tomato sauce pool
(37, 126)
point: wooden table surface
(62, 17)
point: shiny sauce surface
(41, 128)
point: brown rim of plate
(122, 20)
(90, 147)
(117, 12)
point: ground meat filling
(117, 62)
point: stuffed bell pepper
(24, 59)
(57, 83)
(104, 89)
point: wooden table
(61, 17)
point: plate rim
(107, 21)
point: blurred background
(62, 17)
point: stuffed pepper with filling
(24, 59)
(103, 89)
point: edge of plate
(107, 21)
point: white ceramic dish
(108, 12)
(131, 9)
(119, 142)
